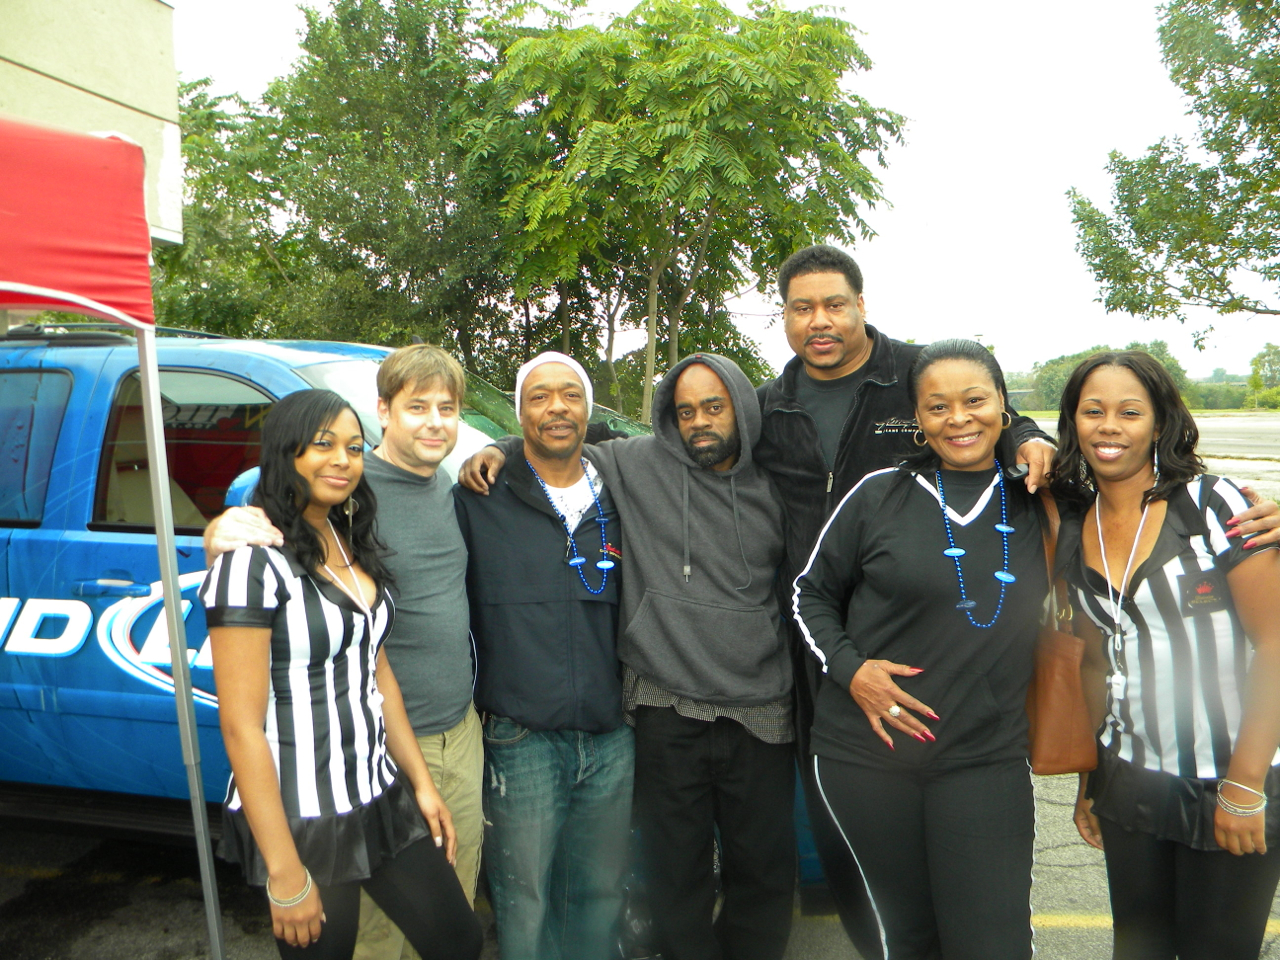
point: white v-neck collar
(974, 512)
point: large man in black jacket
(839, 410)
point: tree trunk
(650, 349)
(464, 342)
(563, 311)
(615, 388)
(677, 309)
(528, 330)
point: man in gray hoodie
(707, 674)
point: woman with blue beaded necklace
(922, 601)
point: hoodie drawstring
(737, 527)
(684, 476)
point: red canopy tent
(74, 237)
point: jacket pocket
(503, 730)
(709, 651)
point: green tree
(1160, 350)
(1199, 225)
(1049, 378)
(1265, 368)
(693, 144)
(232, 274)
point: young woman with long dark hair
(1184, 666)
(329, 791)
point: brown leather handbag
(1061, 739)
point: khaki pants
(456, 761)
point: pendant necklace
(357, 597)
(1115, 598)
(577, 560)
(955, 553)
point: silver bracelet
(1236, 783)
(294, 901)
(1236, 810)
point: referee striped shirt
(324, 712)
(1179, 656)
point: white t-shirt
(573, 502)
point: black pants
(945, 855)
(1168, 900)
(419, 891)
(693, 776)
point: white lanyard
(357, 597)
(1115, 598)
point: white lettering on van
(35, 612)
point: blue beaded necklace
(577, 560)
(955, 553)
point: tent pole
(153, 418)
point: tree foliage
(482, 175)
(1199, 225)
(690, 143)
(1265, 368)
(1050, 378)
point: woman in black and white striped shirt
(1187, 649)
(311, 713)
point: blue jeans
(558, 807)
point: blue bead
(1004, 528)
(1004, 577)
(966, 604)
(604, 564)
(953, 552)
(577, 561)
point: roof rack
(77, 334)
(91, 333)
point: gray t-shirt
(430, 643)
(828, 402)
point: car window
(32, 403)
(212, 433)
(355, 381)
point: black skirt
(1174, 808)
(343, 848)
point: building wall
(100, 66)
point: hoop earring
(1006, 420)
(918, 438)
(350, 508)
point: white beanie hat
(552, 356)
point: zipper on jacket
(831, 479)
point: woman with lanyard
(311, 714)
(922, 601)
(1189, 657)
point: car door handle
(110, 588)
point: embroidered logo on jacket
(897, 425)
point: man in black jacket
(839, 410)
(559, 761)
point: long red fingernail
(917, 669)
(934, 715)
(1251, 543)
(930, 736)
(920, 738)
(1232, 532)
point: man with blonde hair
(420, 394)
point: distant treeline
(1221, 391)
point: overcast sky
(1009, 104)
